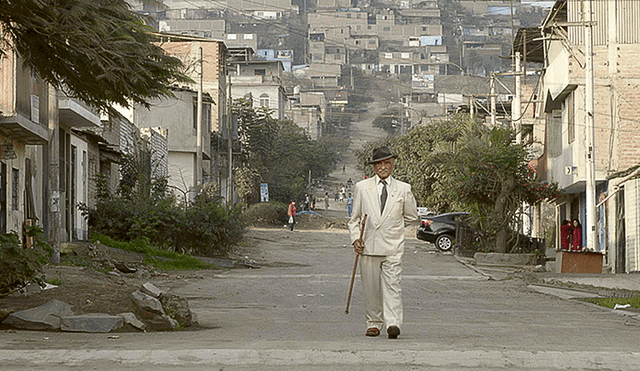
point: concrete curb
(473, 268)
(556, 360)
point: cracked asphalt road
(289, 314)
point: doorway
(3, 198)
(621, 244)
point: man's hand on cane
(358, 246)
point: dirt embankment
(91, 277)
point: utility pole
(493, 100)
(54, 227)
(516, 109)
(230, 147)
(589, 125)
(198, 178)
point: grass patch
(611, 302)
(158, 258)
(54, 281)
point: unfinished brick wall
(616, 105)
(627, 89)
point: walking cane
(355, 265)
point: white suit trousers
(380, 277)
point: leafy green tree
(462, 165)
(96, 50)
(247, 182)
(293, 155)
(256, 130)
(279, 153)
(489, 172)
(416, 165)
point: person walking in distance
(291, 212)
(326, 203)
(576, 242)
(390, 206)
(349, 205)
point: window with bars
(15, 200)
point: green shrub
(266, 212)
(142, 208)
(204, 227)
(211, 229)
(20, 266)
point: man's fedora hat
(380, 154)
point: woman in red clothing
(292, 214)
(565, 235)
(576, 244)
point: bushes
(267, 212)
(211, 228)
(19, 266)
(202, 228)
(142, 208)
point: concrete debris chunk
(45, 317)
(148, 303)
(151, 290)
(91, 322)
(178, 308)
(161, 323)
(122, 267)
(133, 321)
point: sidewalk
(606, 281)
(620, 284)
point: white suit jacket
(383, 234)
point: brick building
(561, 93)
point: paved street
(289, 314)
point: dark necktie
(383, 195)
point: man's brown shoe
(373, 331)
(393, 332)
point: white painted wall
(632, 224)
(181, 172)
(81, 185)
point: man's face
(383, 168)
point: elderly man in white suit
(390, 206)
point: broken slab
(178, 308)
(45, 317)
(161, 323)
(148, 303)
(91, 322)
(130, 319)
(151, 290)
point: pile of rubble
(156, 311)
(104, 258)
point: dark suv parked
(440, 230)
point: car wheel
(444, 242)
